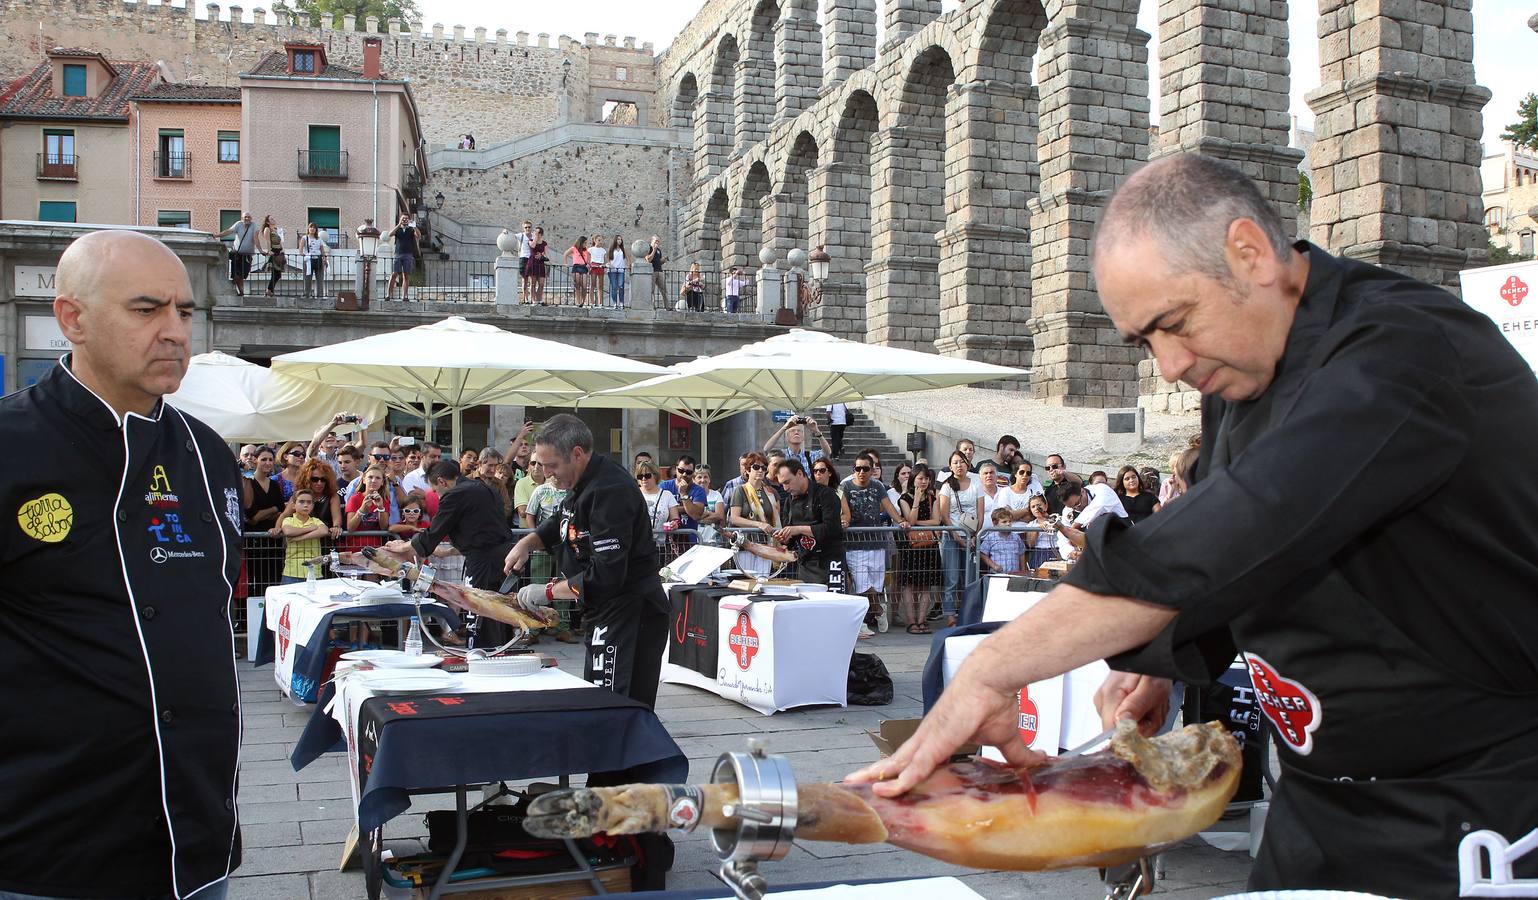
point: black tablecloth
(724, 891)
(492, 737)
(695, 623)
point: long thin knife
(1090, 744)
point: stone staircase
(860, 434)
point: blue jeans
(732, 302)
(617, 286)
(216, 891)
(953, 560)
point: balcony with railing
(325, 164)
(58, 167)
(411, 180)
(175, 166)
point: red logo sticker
(1514, 291)
(283, 633)
(744, 641)
(1290, 706)
(1029, 719)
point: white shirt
(617, 260)
(596, 255)
(415, 480)
(525, 245)
(964, 502)
(838, 414)
(1102, 500)
(660, 505)
(1012, 501)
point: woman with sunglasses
(919, 573)
(661, 503)
(825, 474)
(753, 509)
(1016, 496)
(290, 457)
(961, 507)
(414, 518)
(317, 477)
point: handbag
(922, 539)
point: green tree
(1305, 191)
(385, 10)
(1501, 255)
(1524, 131)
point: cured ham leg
(1100, 809)
(501, 607)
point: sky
(1504, 47)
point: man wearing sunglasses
(811, 526)
(1057, 475)
(690, 496)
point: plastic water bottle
(413, 643)
(309, 579)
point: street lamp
(368, 248)
(808, 296)
(437, 201)
(820, 260)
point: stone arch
(713, 131)
(991, 178)
(840, 212)
(1006, 36)
(908, 208)
(749, 219)
(714, 237)
(685, 98)
(755, 76)
(792, 225)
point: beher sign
(1505, 294)
(34, 281)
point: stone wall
(575, 188)
(495, 86)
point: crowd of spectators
(915, 543)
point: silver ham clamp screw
(765, 814)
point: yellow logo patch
(47, 519)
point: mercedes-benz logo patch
(158, 555)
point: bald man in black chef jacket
(121, 536)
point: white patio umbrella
(804, 369)
(656, 393)
(453, 364)
(245, 402)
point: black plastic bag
(870, 684)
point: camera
(352, 419)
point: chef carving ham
(1099, 809)
(501, 607)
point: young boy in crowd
(1000, 551)
(302, 532)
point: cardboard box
(894, 732)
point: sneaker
(883, 621)
(934, 615)
(866, 634)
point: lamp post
(808, 295)
(368, 248)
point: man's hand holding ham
(1142, 698)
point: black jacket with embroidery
(603, 538)
(119, 549)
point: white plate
(409, 681)
(372, 656)
(393, 659)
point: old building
(329, 144)
(66, 150)
(187, 160)
(1510, 181)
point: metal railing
(437, 280)
(323, 164)
(411, 179)
(58, 166)
(173, 165)
(639, 286)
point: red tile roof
(31, 95)
(202, 93)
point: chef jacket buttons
(122, 515)
(235, 708)
(208, 516)
(166, 716)
(190, 448)
(147, 612)
(229, 802)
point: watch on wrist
(550, 591)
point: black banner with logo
(694, 625)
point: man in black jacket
(471, 517)
(812, 526)
(609, 558)
(122, 522)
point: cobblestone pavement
(294, 823)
